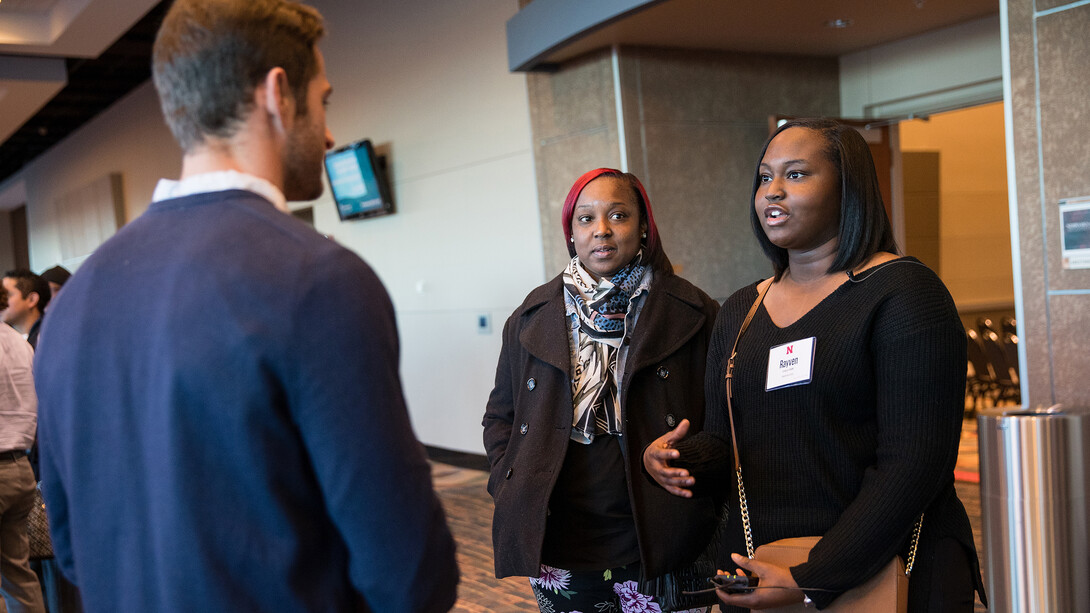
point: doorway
(956, 219)
(957, 213)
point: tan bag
(886, 592)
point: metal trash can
(1034, 476)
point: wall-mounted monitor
(358, 179)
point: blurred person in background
(19, 587)
(56, 277)
(27, 297)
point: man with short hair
(27, 296)
(223, 426)
(18, 416)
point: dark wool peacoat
(528, 421)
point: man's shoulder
(240, 217)
(234, 239)
(11, 342)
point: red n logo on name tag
(790, 348)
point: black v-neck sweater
(859, 452)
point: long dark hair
(652, 245)
(864, 225)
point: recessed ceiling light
(838, 23)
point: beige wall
(974, 241)
(1048, 146)
(427, 81)
(922, 231)
(693, 125)
(574, 122)
(130, 138)
(945, 69)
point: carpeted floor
(469, 511)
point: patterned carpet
(469, 512)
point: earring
(571, 240)
(644, 235)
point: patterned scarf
(601, 307)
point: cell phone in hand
(734, 584)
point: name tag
(791, 364)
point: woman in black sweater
(848, 391)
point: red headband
(569, 208)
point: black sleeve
(346, 399)
(708, 454)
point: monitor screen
(358, 181)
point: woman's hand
(770, 576)
(657, 457)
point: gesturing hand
(657, 457)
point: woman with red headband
(595, 365)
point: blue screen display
(352, 178)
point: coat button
(671, 420)
(510, 471)
(662, 372)
(523, 428)
(531, 384)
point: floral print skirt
(613, 590)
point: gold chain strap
(915, 542)
(744, 508)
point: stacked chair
(993, 364)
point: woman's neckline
(851, 278)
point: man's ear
(275, 98)
(32, 299)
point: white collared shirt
(18, 402)
(218, 181)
